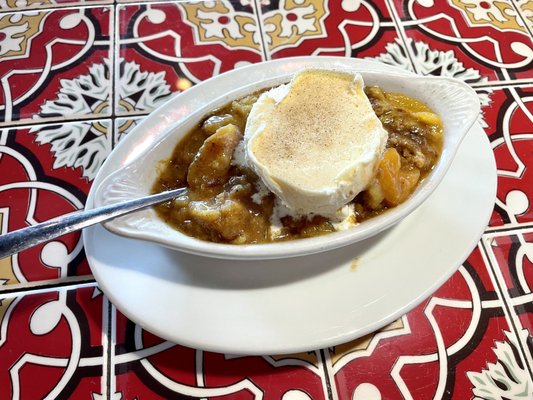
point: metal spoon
(16, 241)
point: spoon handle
(16, 241)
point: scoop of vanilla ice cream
(315, 142)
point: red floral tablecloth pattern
(76, 76)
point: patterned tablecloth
(77, 76)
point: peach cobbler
(320, 154)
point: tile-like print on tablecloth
(51, 345)
(123, 126)
(53, 64)
(524, 311)
(51, 168)
(525, 11)
(148, 367)
(167, 47)
(437, 57)
(322, 27)
(18, 5)
(510, 256)
(489, 36)
(454, 345)
(510, 128)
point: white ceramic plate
(303, 303)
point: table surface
(76, 76)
